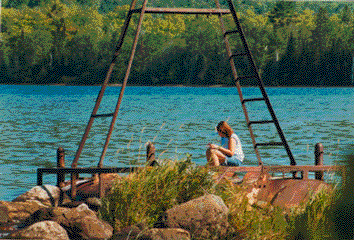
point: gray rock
(204, 217)
(164, 233)
(18, 211)
(42, 230)
(46, 194)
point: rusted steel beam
(60, 164)
(305, 175)
(90, 170)
(281, 169)
(104, 85)
(288, 169)
(319, 160)
(236, 169)
(183, 11)
(127, 73)
(100, 186)
(285, 169)
(74, 177)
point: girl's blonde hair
(224, 128)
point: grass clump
(315, 221)
(143, 196)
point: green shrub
(144, 195)
(315, 221)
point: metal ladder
(254, 75)
(247, 53)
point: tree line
(72, 42)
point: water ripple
(36, 120)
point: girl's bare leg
(214, 157)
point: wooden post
(319, 160)
(60, 164)
(150, 154)
(74, 177)
(100, 186)
(39, 178)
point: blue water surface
(36, 120)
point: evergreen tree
(322, 33)
(288, 64)
(282, 14)
(321, 37)
(346, 14)
(108, 5)
(15, 4)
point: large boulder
(18, 211)
(80, 222)
(165, 233)
(204, 217)
(46, 194)
(94, 203)
(47, 230)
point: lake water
(36, 120)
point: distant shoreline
(169, 85)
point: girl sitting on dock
(230, 152)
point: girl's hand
(213, 146)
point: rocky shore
(46, 212)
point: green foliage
(176, 49)
(346, 14)
(282, 14)
(144, 195)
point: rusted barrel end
(319, 160)
(60, 164)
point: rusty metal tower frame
(246, 53)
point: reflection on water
(36, 120)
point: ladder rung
(229, 32)
(238, 54)
(103, 115)
(247, 77)
(260, 122)
(252, 100)
(269, 144)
